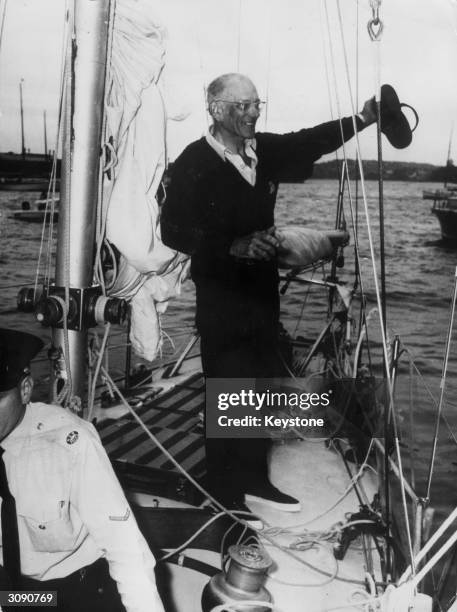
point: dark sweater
(209, 204)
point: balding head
(234, 105)
(230, 86)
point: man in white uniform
(66, 524)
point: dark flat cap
(17, 349)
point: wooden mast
(83, 120)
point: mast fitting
(86, 307)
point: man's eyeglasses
(244, 105)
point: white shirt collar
(246, 171)
(250, 146)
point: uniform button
(42, 526)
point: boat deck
(173, 416)
(310, 470)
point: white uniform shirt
(248, 172)
(71, 508)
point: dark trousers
(235, 464)
(90, 589)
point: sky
(307, 58)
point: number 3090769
(28, 598)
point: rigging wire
(354, 217)
(408, 574)
(203, 77)
(377, 288)
(52, 187)
(238, 50)
(2, 21)
(102, 212)
(67, 391)
(326, 48)
(429, 392)
(216, 503)
(269, 46)
(412, 470)
(376, 39)
(348, 183)
(442, 386)
(101, 354)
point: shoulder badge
(72, 437)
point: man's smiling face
(239, 106)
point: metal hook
(375, 28)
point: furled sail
(302, 246)
(149, 273)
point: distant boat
(17, 168)
(445, 209)
(445, 200)
(440, 194)
(23, 184)
(41, 211)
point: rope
(65, 88)
(423, 552)
(66, 226)
(350, 485)
(442, 386)
(232, 515)
(102, 215)
(238, 50)
(269, 47)
(354, 222)
(326, 44)
(203, 77)
(195, 535)
(429, 392)
(305, 584)
(2, 21)
(411, 428)
(52, 184)
(91, 399)
(377, 289)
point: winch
(86, 307)
(241, 581)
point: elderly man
(220, 210)
(66, 525)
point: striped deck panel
(173, 418)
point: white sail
(149, 272)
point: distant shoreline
(392, 171)
(32, 165)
